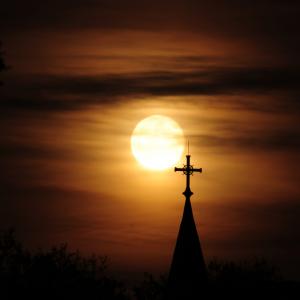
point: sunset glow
(157, 142)
(98, 101)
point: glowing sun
(157, 142)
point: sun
(157, 142)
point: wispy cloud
(73, 92)
(254, 140)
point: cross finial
(188, 170)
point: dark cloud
(71, 92)
(272, 25)
(258, 16)
(33, 151)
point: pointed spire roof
(188, 275)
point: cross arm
(179, 169)
(198, 170)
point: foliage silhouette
(56, 273)
(60, 273)
(246, 279)
(245, 272)
(151, 288)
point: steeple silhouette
(188, 275)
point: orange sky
(74, 95)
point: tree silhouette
(60, 273)
(56, 273)
(151, 288)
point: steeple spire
(187, 274)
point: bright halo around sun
(157, 142)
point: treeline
(56, 273)
(60, 273)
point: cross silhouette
(188, 170)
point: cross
(188, 170)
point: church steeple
(188, 273)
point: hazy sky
(84, 73)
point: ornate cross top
(188, 170)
